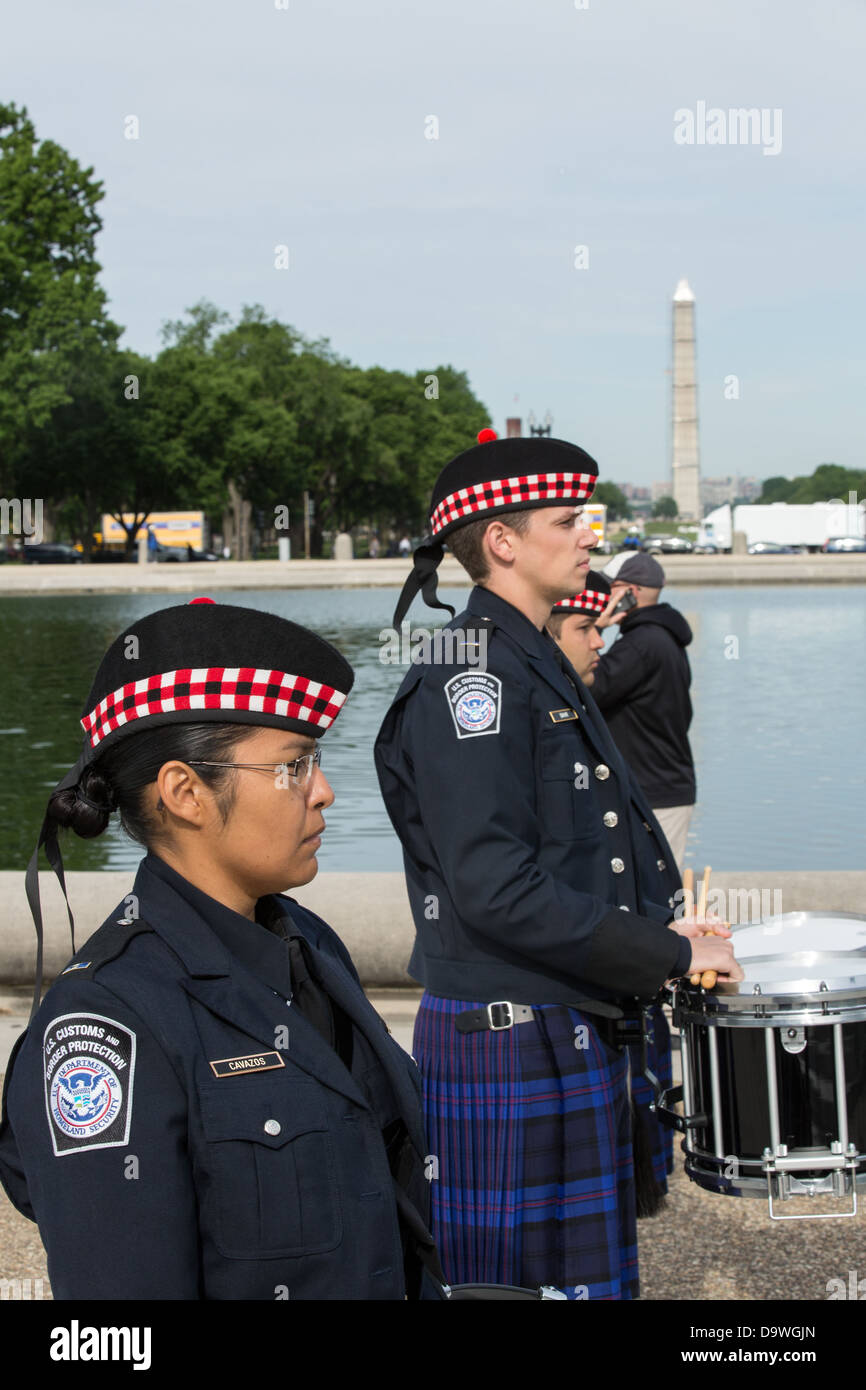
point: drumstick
(708, 978)
(688, 904)
(696, 978)
(705, 892)
(689, 889)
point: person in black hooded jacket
(642, 687)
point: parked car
(166, 554)
(52, 553)
(843, 545)
(773, 548)
(667, 545)
(101, 555)
(176, 554)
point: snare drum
(774, 1067)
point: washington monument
(684, 456)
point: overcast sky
(306, 126)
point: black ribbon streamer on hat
(422, 579)
(48, 838)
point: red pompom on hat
(202, 600)
(485, 436)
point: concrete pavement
(213, 577)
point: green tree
(450, 424)
(420, 421)
(197, 329)
(665, 507)
(828, 482)
(614, 499)
(777, 489)
(102, 451)
(53, 320)
(224, 428)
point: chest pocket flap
(568, 802)
(269, 1115)
(269, 1155)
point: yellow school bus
(170, 528)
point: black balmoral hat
(191, 664)
(495, 476)
(593, 598)
(207, 661)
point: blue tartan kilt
(531, 1131)
(661, 1138)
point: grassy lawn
(618, 529)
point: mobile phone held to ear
(627, 601)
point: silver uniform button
(272, 1126)
(661, 864)
(624, 908)
(670, 902)
(618, 866)
(602, 772)
(610, 819)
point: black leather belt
(494, 1017)
(617, 1029)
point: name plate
(245, 1066)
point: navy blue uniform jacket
(166, 1177)
(535, 868)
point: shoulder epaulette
(107, 943)
(472, 620)
(471, 623)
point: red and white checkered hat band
(216, 687)
(589, 601)
(468, 502)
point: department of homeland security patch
(89, 1069)
(475, 700)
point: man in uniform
(574, 626)
(515, 813)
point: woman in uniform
(205, 1106)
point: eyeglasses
(300, 770)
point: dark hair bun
(85, 808)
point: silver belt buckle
(500, 1004)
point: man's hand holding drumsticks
(712, 953)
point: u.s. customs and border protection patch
(475, 701)
(89, 1069)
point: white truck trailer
(787, 523)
